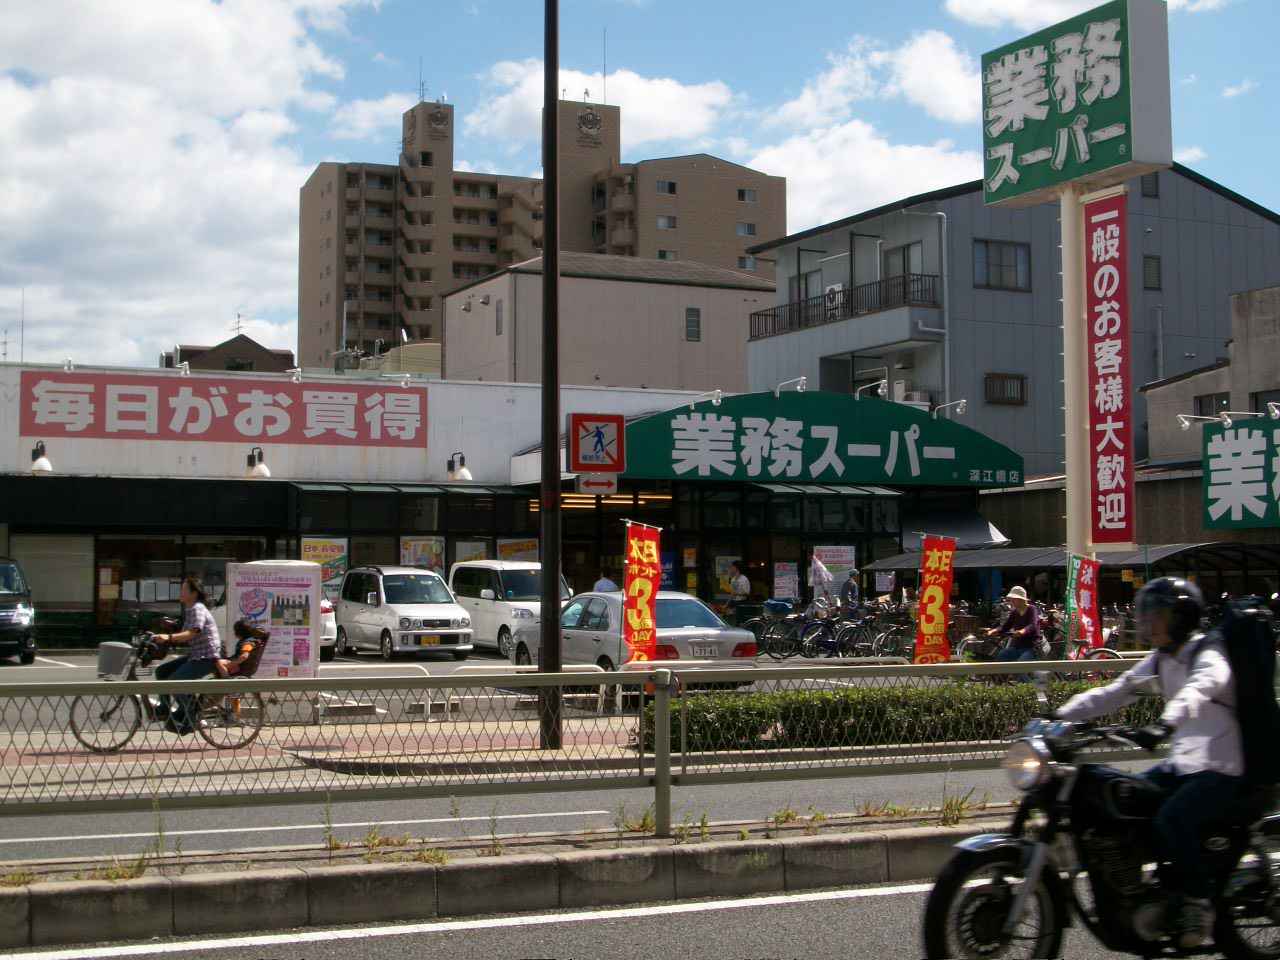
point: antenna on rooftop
(422, 86)
(238, 326)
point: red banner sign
(1086, 602)
(1110, 409)
(59, 404)
(643, 576)
(936, 554)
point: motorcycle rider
(1205, 764)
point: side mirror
(371, 599)
(487, 594)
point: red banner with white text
(936, 554)
(1110, 408)
(1086, 601)
(643, 575)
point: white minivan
(500, 595)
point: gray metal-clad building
(947, 299)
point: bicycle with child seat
(105, 722)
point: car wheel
(342, 648)
(522, 656)
(388, 651)
(326, 653)
(504, 642)
(27, 657)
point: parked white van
(500, 595)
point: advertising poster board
(425, 552)
(471, 550)
(525, 548)
(838, 561)
(331, 554)
(936, 554)
(643, 572)
(283, 597)
(786, 580)
(724, 570)
(668, 570)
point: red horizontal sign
(221, 409)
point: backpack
(1247, 636)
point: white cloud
(1188, 80)
(827, 98)
(1189, 155)
(930, 71)
(654, 109)
(1239, 89)
(371, 119)
(1024, 14)
(147, 190)
(1198, 6)
(871, 171)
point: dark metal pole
(549, 659)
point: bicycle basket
(113, 659)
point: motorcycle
(1083, 844)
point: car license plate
(428, 640)
(704, 651)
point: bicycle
(105, 723)
(780, 629)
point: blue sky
(154, 149)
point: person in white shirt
(1202, 773)
(739, 591)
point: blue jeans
(1193, 800)
(182, 709)
(1009, 654)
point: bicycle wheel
(814, 638)
(103, 723)
(232, 720)
(757, 626)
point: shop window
(722, 509)
(419, 514)
(207, 558)
(513, 516)
(373, 511)
(323, 512)
(374, 550)
(146, 572)
(786, 513)
(470, 514)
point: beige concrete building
(624, 322)
(380, 244)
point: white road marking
(364, 825)
(58, 663)
(453, 926)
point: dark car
(17, 615)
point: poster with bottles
(283, 598)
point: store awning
(970, 529)
(828, 490)
(1049, 558)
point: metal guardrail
(479, 733)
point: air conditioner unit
(833, 301)
(899, 390)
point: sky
(152, 151)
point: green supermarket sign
(1241, 467)
(815, 438)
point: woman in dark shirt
(1021, 626)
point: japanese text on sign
(643, 575)
(1082, 600)
(1241, 476)
(95, 405)
(936, 555)
(1110, 415)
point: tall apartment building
(380, 244)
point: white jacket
(1200, 699)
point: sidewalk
(390, 879)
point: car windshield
(526, 586)
(11, 579)
(415, 588)
(676, 612)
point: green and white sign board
(1241, 475)
(1084, 101)
(815, 438)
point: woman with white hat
(1021, 626)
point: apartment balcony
(378, 307)
(417, 288)
(898, 295)
(623, 201)
(422, 232)
(353, 193)
(622, 237)
(418, 261)
(482, 258)
(373, 222)
(378, 278)
(422, 203)
(386, 194)
(351, 249)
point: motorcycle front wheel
(1247, 925)
(968, 906)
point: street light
(1273, 411)
(960, 405)
(798, 381)
(461, 474)
(882, 389)
(256, 469)
(713, 395)
(1184, 420)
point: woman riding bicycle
(204, 649)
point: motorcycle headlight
(1027, 764)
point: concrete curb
(63, 912)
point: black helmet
(1182, 600)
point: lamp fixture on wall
(184, 368)
(1184, 420)
(484, 300)
(1273, 411)
(960, 406)
(67, 365)
(256, 469)
(39, 462)
(798, 381)
(712, 395)
(404, 378)
(295, 374)
(458, 471)
(466, 307)
(881, 388)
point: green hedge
(869, 716)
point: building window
(746, 263)
(1258, 401)
(746, 229)
(666, 255)
(1150, 273)
(693, 324)
(1005, 389)
(1001, 266)
(1212, 404)
(666, 222)
(667, 186)
(1151, 185)
(497, 319)
(746, 195)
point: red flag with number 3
(643, 575)
(936, 554)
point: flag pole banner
(936, 574)
(643, 575)
(1083, 621)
